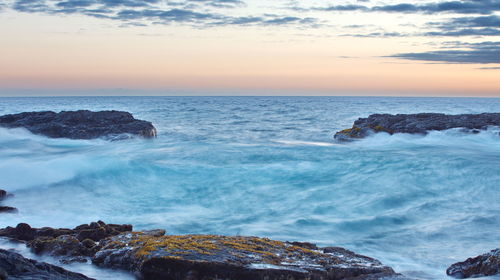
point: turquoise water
(268, 166)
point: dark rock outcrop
(85, 234)
(417, 124)
(224, 257)
(13, 266)
(483, 265)
(6, 209)
(73, 245)
(81, 124)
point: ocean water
(268, 166)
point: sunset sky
(250, 47)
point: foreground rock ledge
(81, 124)
(14, 266)
(484, 265)
(231, 257)
(154, 255)
(417, 124)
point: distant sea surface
(268, 166)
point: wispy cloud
(202, 13)
(463, 53)
(459, 7)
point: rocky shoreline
(82, 124)
(154, 255)
(417, 124)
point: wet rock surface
(153, 255)
(231, 257)
(13, 266)
(417, 124)
(82, 124)
(484, 265)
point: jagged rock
(22, 232)
(64, 245)
(224, 257)
(484, 265)
(82, 124)
(93, 231)
(3, 194)
(13, 266)
(417, 124)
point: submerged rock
(81, 124)
(417, 124)
(225, 257)
(16, 267)
(8, 209)
(484, 265)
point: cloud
(458, 7)
(376, 35)
(202, 13)
(467, 26)
(463, 53)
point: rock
(226, 257)
(14, 266)
(417, 124)
(94, 232)
(22, 232)
(484, 265)
(8, 209)
(81, 124)
(64, 245)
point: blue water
(268, 166)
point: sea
(267, 167)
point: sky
(250, 47)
